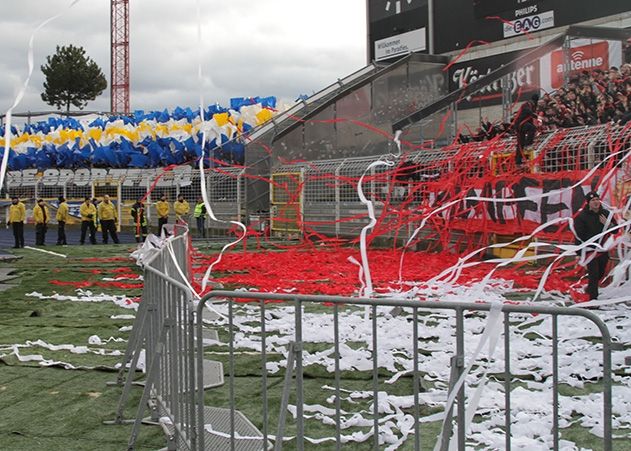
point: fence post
(282, 416)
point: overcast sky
(282, 48)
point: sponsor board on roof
(529, 24)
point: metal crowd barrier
(295, 363)
(163, 330)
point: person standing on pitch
(62, 218)
(140, 221)
(17, 216)
(163, 209)
(200, 217)
(95, 202)
(591, 221)
(41, 216)
(108, 217)
(182, 209)
(88, 215)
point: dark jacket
(587, 223)
(525, 115)
(138, 213)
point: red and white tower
(120, 56)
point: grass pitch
(49, 408)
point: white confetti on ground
(580, 358)
(87, 296)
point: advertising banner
(583, 58)
(544, 75)
(412, 41)
(461, 23)
(529, 24)
(524, 80)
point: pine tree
(72, 78)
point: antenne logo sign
(529, 24)
(587, 57)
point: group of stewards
(163, 209)
(104, 213)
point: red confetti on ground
(105, 260)
(329, 271)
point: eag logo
(527, 24)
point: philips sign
(529, 24)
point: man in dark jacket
(591, 221)
(525, 128)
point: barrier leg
(285, 398)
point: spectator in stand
(525, 128)
(589, 98)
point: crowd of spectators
(590, 98)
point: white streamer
(368, 291)
(45, 251)
(209, 209)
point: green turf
(47, 408)
(50, 408)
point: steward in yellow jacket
(108, 218)
(62, 218)
(162, 208)
(41, 217)
(182, 209)
(87, 210)
(17, 216)
(107, 210)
